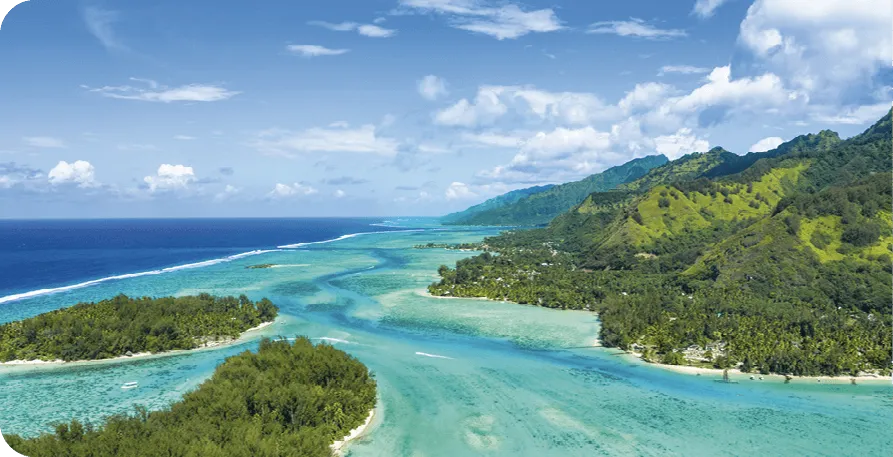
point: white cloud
(680, 143)
(706, 8)
(160, 93)
(459, 191)
(170, 177)
(12, 174)
(369, 30)
(682, 69)
(851, 115)
(824, 47)
(43, 142)
(507, 21)
(493, 102)
(312, 50)
(99, 23)
(486, 108)
(297, 189)
(79, 172)
(227, 192)
(766, 144)
(635, 27)
(337, 138)
(431, 87)
(184, 137)
(339, 193)
(495, 139)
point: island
(261, 266)
(124, 326)
(287, 398)
(774, 262)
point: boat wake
(206, 263)
(425, 354)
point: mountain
(542, 205)
(776, 261)
(494, 204)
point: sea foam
(206, 263)
(344, 237)
(425, 354)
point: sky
(405, 107)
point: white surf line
(206, 263)
(425, 354)
(344, 237)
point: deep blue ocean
(42, 254)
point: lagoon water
(456, 376)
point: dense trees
(111, 328)
(285, 400)
(782, 267)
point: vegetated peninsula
(776, 263)
(124, 326)
(292, 399)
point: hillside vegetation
(541, 206)
(781, 266)
(114, 327)
(285, 400)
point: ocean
(457, 377)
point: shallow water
(457, 376)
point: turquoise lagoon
(456, 376)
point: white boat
(129, 385)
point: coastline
(140, 355)
(734, 373)
(339, 446)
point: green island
(261, 266)
(124, 326)
(778, 262)
(288, 399)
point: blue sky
(405, 107)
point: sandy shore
(338, 447)
(740, 376)
(139, 355)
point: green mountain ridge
(777, 261)
(495, 203)
(541, 206)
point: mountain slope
(494, 203)
(541, 207)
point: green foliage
(285, 400)
(111, 328)
(540, 207)
(781, 267)
(481, 210)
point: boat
(129, 385)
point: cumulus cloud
(826, 48)
(12, 174)
(228, 192)
(170, 177)
(766, 144)
(156, 92)
(339, 193)
(680, 143)
(313, 50)
(80, 173)
(635, 27)
(505, 21)
(459, 191)
(297, 189)
(43, 142)
(706, 8)
(369, 30)
(432, 87)
(336, 138)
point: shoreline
(140, 355)
(339, 446)
(739, 376)
(691, 370)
